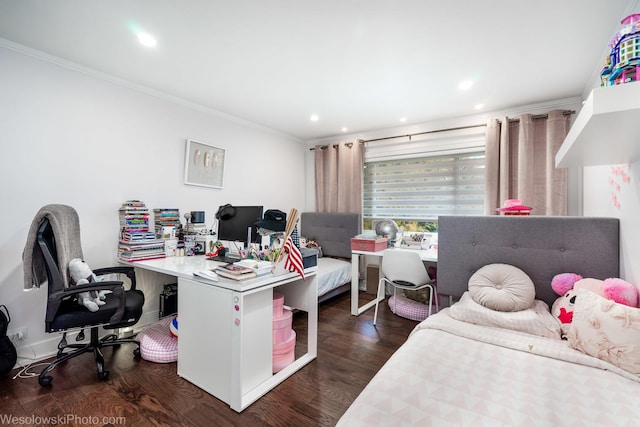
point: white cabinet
(225, 336)
(607, 129)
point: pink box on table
(369, 245)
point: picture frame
(203, 164)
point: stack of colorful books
(136, 241)
(166, 217)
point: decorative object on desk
(622, 65)
(387, 228)
(203, 164)
(216, 248)
(293, 261)
(190, 245)
(368, 243)
(514, 207)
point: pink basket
(157, 344)
(408, 308)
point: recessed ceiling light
(314, 118)
(146, 40)
(479, 106)
(465, 85)
(403, 119)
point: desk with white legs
(356, 310)
(225, 328)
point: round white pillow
(502, 287)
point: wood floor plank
(350, 351)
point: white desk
(356, 310)
(225, 328)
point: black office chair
(122, 308)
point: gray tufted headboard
(541, 246)
(333, 231)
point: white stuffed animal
(81, 274)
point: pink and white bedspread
(452, 373)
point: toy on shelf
(623, 63)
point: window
(415, 181)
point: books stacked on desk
(235, 272)
(166, 217)
(137, 251)
(134, 216)
(260, 267)
(136, 241)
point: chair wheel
(103, 375)
(45, 381)
(136, 353)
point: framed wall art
(203, 164)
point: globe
(387, 227)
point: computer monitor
(235, 229)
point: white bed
(455, 373)
(333, 232)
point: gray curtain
(520, 163)
(339, 171)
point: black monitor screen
(236, 227)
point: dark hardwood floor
(142, 393)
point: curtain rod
(514, 120)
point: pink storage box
(369, 245)
(284, 353)
(282, 327)
(278, 303)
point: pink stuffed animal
(621, 292)
(567, 284)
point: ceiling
(362, 65)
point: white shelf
(606, 131)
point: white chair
(403, 269)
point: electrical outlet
(17, 334)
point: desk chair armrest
(116, 288)
(130, 272)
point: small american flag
(294, 260)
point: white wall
(73, 138)
(607, 193)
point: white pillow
(607, 330)
(536, 320)
(502, 287)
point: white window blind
(416, 180)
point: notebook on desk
(226, 259)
